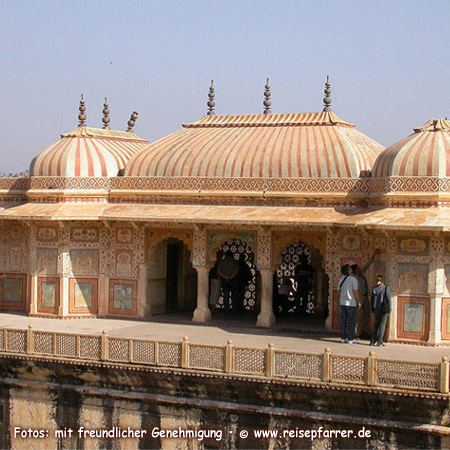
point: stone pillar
(392, 318)
(32, 287)
(266, 317)
(33, 293)
(330, 300)
(103, 296)
(64, 268)
(143, 308)
(436, 279)
(319, 298)
(333, 270)
(202, 313)
(64, 297)
(391, 280)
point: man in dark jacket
(228, 270)
(381, 306)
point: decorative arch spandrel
(412, 279)
(155, 237)
(281, 241)
(217, 238)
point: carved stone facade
(78, 268)
(147, 242)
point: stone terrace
(220, 331)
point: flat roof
(387, 218)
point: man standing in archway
(228, 270)
(303, 276)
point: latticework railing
(269, 362)
(207, 357)
(408, 374)
(298, 365)
(348, 369)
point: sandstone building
(110, 225)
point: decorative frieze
(82, 234)
(199, 247)
(410, 245)
(47, 234)
(264, 259)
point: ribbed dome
(87, 152)
(426, 152)
(266, 145)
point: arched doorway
(301, 268)
(247, 276)
(171, 278)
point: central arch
(301, 268)
(247, 295)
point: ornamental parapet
(126, 189)
(228, 359)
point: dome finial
(82, 115)
(211, 103)
(327, 98)
(132, 121)
(105, 119)
(267, 103)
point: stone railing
(230, 359)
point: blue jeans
(347, 317)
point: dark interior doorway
(172, 275)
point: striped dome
(266, 145)
(87, 152)
(426, 152)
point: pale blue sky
(388, 62)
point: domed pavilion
(110, 225)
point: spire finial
(211, 103)
(105, 119)
(132, 121)
(327, 98)
(82, 115)
(267, 103)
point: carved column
(392, 281)
(202, 312)
(103, 295)
(266, 317)
(143, 308)
(64, 268)
(332, 269)
(436, 289)
(64, 282)
(319, 297)
(33, 290)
